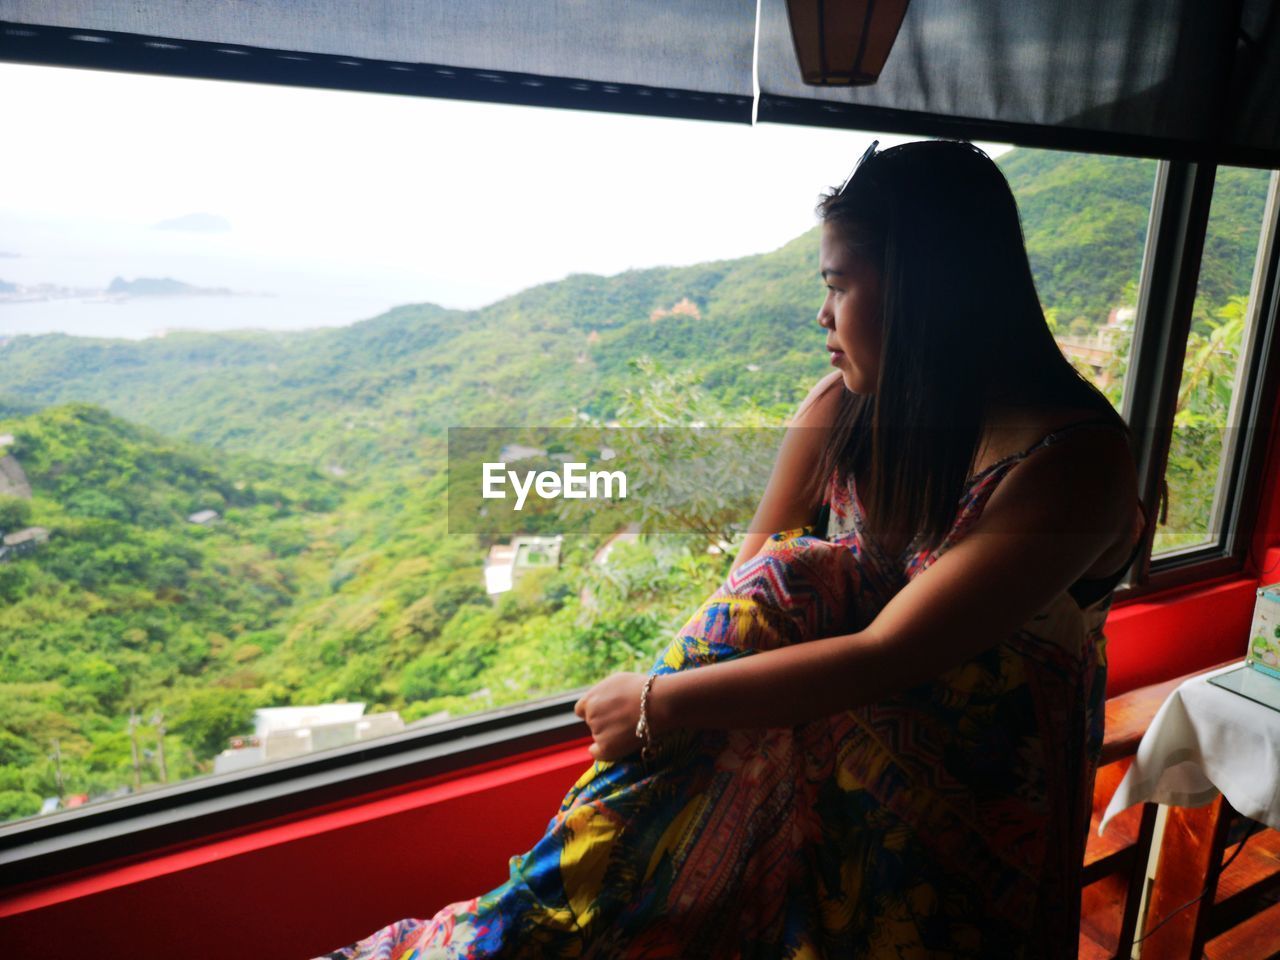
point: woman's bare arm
(1051, 517)
(788, 500)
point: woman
(902, 765)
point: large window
(233, 338)
(235, 332)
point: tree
(18, 803)
(15, 513)
(698, 466)
(1200, 424)
(209, 717)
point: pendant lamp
(842, 43)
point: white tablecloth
(1205, 740)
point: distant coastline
(119, 290)
(92, 312)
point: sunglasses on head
(870, 152)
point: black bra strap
(1088, 592)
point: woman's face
(851, 312)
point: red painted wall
(1264, 554)
(1158, 638)
(293, 890)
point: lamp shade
(841, 43)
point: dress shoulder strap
(984, 479)
(1084, 591)
(1056, 435)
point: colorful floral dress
(948, 821)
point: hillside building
(22, 541)
(507, 561)
(1097, 350)
(683, 308)
(282, 732)
(511, 452)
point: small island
(161, 287)
(118, 291)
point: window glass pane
(1085, 219)
(233, 333)
(232, 344)
(1207, 418)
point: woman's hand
(612, 709)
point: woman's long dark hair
(962, 328)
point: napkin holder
(1264, 634)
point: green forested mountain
(129, 603)
(1085, 245)
(364, 392)
(1085, 222)
(330, 573)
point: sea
(136, 318)
(270, 287)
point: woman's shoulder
(1013, 432)
(1091, 444)
(820, 407)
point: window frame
(197, 810)
(1179, 222)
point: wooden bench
(1240, 916)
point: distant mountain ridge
(358, 395)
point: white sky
(452, 202)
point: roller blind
(638, 55)
(1176, 75)
(1161, 77)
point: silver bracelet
(647, 752)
